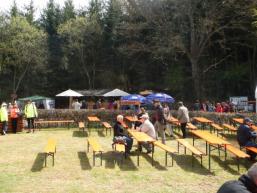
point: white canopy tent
(116, 93)
(69, 93)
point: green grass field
(22, 167)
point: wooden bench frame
(193, 149)
(107, 126)
(167, 150)
(99, 150)
(217, 128)
(50, 152)
(236, 152)
(119, 147)
(83, 127)
(229, 127)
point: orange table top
(173, 120)
(140, 136)
(124, 125)
(209, 138)
(216, 126)
(254, 127)
(93, 119)
(131, 118)
(230, 127)
(191, 126)
(238, 120)
(106, 125)
(202, 120)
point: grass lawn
(22, 167)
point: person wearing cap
(30, 114)
(245, 136)
(148, 128)
(183, 117)
(159, 120)
(247, 183)
(4, 117)
(14, 114)
(120, 135)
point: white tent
(69, 93)
(116, 93)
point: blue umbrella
(133, 97)
(162, 97)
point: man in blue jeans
(246, 137)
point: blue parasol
(162, 97)
(133, 97)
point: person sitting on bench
(120, 136)
(148, 128)
(245, 136)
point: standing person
(119, 134)
(4, 118)
(30, 114)
(148, 128)
(14, 114)
(167, 116)
(183, 117)
(197, 105)
(160, 121)
(247, 183)
(76, 104)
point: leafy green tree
(27, 47)
(68, 11)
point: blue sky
(39, 4)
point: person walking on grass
(160, 121)
(183, 117)
(30, 114)
(4, 118)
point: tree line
(191, 49)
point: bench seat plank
(229, 127)
(94, 144)
(164, 147)
(237, 152)
(190, 147)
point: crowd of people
(152, 126)
(98, 104)
(220, 107)
(13, 112)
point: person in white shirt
(148, 128)
(76, 105)
(183, 117)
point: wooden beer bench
(51, 122)
(50, 150)
(195, 152)
(107, 127)
(96, 147)
(167, 150)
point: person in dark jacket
(245, 136)
(247, 183)
(119, 134)
(160, 121)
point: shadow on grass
(84, 161)
(101, 132)
(156, 164)
(79, 134)
(109, 158)
(127, 164)
(230, 165)
(185, 162)
(38, 164)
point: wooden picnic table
(203, 121)
(141, 137)
(131, 118)
(93, 119)
(41, 122)
(238, 120)
(212, 142)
